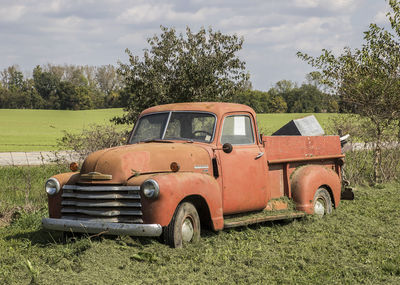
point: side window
(237, 129)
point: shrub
(93, 138)
(360, 160)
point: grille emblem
(96, 176)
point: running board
(244, 220)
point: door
(244, 170)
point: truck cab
(193, 165)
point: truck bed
(285, 153)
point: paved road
(35, 158)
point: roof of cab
(212, 107)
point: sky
(97, 32)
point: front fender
(55, 200)
(174, 187)
(306, 180)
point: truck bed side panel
(286, 153)
(294, 147)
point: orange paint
(248, 177)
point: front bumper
(149, 230)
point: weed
(33, 271)
(22, 190)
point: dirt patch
(7, 216)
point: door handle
(259, 155)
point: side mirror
(227, 148)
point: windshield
(192, 126)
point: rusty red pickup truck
(193, 165)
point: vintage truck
(193, 165)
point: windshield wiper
(156, 140)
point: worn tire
(322, 202)
(184, 227)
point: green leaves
(200, 66)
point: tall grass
(22, 189)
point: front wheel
(322, 202)
(184, 227)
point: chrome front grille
(102, 203)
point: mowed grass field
(38, 130)
(358, 244)
(35, 130)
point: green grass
(38, 130)
(358, 244)
(34, 130)
(24, 186)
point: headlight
(52, 186)
(150, 188)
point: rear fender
(306, 180)
(174, 188)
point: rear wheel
(322, 202)
(184, 227)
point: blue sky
(96, 32)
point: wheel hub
(319, 207)
(187, 230)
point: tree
(12, 78)
(201, 66)
(107, 79)
(74, 97)
(367, 79)
(47, 84)
(307, 98)
(261, 102)
(18, 92)
(277, 104)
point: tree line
(60, 87)
(72, 87)
(287, 97)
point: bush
(93, 138)
(359, 169)
(365, 154)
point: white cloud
(132, 39)
(332, 5)
(342, 4)
(146, 13)
(50, 7)
(310, 30)
(61, 26)
(381, 18)
(200, 15)
(306, 3)
(11, 13)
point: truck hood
(127, 161)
